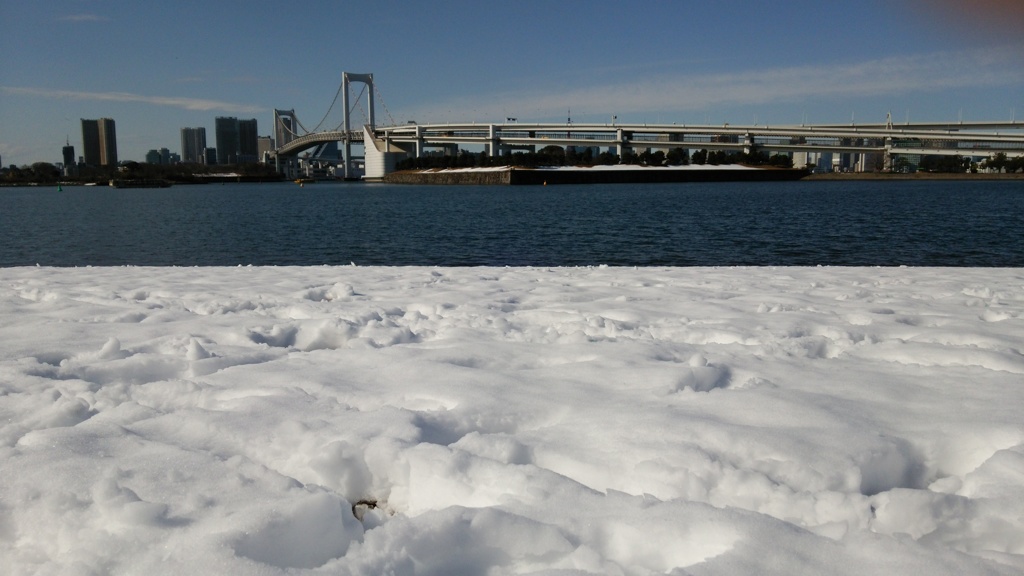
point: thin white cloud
(883, 77)
(83, 18)
(172, 101)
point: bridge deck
(931, 138)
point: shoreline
(914, 176)
(639, 175)
(515, 176)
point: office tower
(99, 142)
(228, 146)
(152, 157)
(91, 142)
(248, 141)
(193, 144)
(108, 142)
(68, 152)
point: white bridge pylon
(346, 80)
(290, 142)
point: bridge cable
(293, 132)
(333, 102)
(357, 101)
(386, 111)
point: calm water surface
(935, 223)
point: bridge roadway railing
(874, 138)
(307, 141)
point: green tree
(676, 157)
(997, 162)
(44, 172)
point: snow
(464, 421)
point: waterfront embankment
(594, 175)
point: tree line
(46, 173)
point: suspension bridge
(384, 146)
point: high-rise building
(99, 142)
(108, 142)
(237, 140)
(264, 145)
(69, 154)
(228, 146)
(91, 142)
(193, 144)
(248, 142)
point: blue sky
(156, 67)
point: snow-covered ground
(467, 421)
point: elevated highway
(383, 145)
(311, 140)
(907, 139)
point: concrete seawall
(451, 178)
(527, 177)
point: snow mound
(474, 421)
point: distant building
(264, 145)
(210, 156)
(226, 129)
(248, 142)
(237, 140)
(193, 144)
(162, 156)
(68, 152)
(108, 142)
(91, 142)
(99, 142)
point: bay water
(804, 223)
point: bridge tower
(285, 126)
(347, 79)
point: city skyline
(737, 61)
